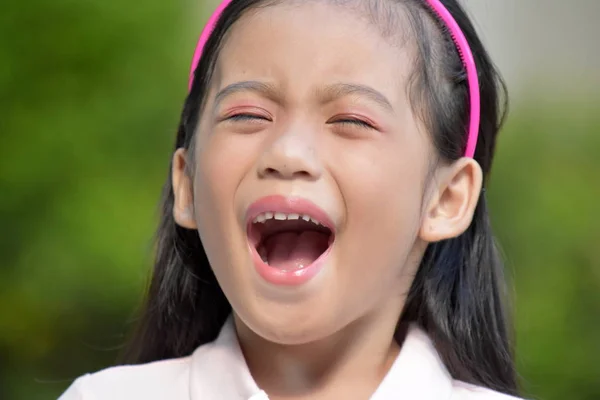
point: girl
(324, 233)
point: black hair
(458, 294)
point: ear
(452, 202)
(183, 205)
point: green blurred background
(90, 94)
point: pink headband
(457, 35)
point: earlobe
(451, 207)
(183, 204)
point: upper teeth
(282, 217)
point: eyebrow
(265, 89)
(329, 93)
(335, 91)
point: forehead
(317, 39)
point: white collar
(219, 371)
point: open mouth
(289, 241)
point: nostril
(303, 174)
(286, 173)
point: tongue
(295, 250)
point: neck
(350, 363)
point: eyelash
(353, 122)
(344, 121)
(246, 117)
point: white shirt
(218, 371)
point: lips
(289, 238)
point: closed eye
(353, 122)
(246, 117)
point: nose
(291, 155)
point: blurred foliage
(544, 192)
(90, 93)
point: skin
(333, 336)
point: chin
(295, 319)
(289, 329)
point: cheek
(382, 188)
(221, 163)
(223, 160)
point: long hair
(458, 294)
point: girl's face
(309, 101)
